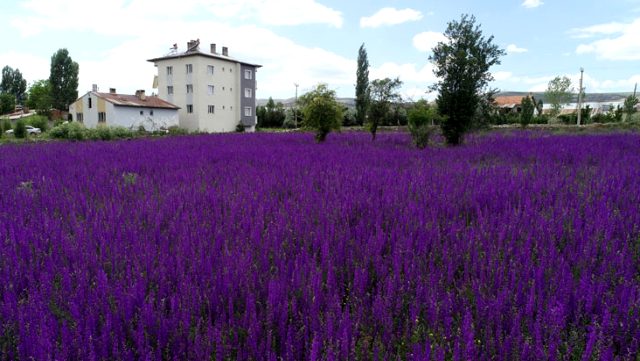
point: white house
(111, 109)
(214, 91)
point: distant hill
(590, 98)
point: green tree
(559, 91)
(63, 79)
(7, 103)
(629, 106)
(362, 86)
(20, 130)
(40, 96)
(462, 64)
(527, 111)
(272, 115)
(13, 83)
(383, 93)
(421, 119)
(321, 111)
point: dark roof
(126, 100)
(200, 53)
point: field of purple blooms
(521, 246)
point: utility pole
(580, 97)
(295, 107)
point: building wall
(226, 97)
(248, 100)
(129, 117)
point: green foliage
(559, 92)
(20, 130)
(349, 117)
(383, 93)
(321, 111)
(462, 64)
(13, 83)
(38, 121)
(527, 111)
(7, 103)
(63, 79)
(40, 97)
(240, 128)
(629, 107)
(122, 132)
(421, 121)
(5, 125)
(486, 110)
(362, 86)
(77, 131)
(290, 119)
(272, 115)
(176, 130)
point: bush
(176, 130)
(240, 128)
(420, 120)
(121, 133)
(5, 125)
(38, 121)
(20, 131)
(72, 130)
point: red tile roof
(126, 100)
(508, 100)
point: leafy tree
(321, 111)
(272, 115)
(20, 130)
(63, 79)
(527, 111)
(7, 103)
(362, 86)
(13, 83)
(629, 106)
(421, 119)
(462, 64)
(40, 96)
(559, 92)
(383, 93)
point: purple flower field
(522, 246)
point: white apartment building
(215, 92)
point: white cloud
(514, 49)
(427, 40)
(620, 41)
(32, 67)
(390, 16)
(599, 29)
(530, 4)
(502, 75)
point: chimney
(140, 94)
(225, 51)
(213, 48)
(94, 87)
(193, 45)
(112, 90)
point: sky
(307, 42)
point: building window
(151, 112)
(189, 68)
(248, 74)
(210, 89)
(210, 69)
(247, 92)
(247, 111)
(142, 112)
(212, 109)
(89, 102)
(170, 90)
(231, 107)
(169, 70)
(79, 117)
(102, 117)
(189, 108)
(189, 88)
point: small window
(89, 102)
(210, 89)
(210, 69)
(189, 88)
(169, 70)
(142, 112)
(230, 70)
(231, 107)
(151, 112)
(189, 68)
(230, 89)
(102, 117)
(212, 109)
(223, 68)
(248, 74)
(170, 89)
(189, 108)
(247, 111)
(222, 88)
(247, 92)
(79, 117)
(223, 107)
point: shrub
(5, 125)
(421, 117)
(20, 130)
(38, 121)
(121, 133)
(73, 130)
(176, 130)
(240, 128)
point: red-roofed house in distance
(131, 111)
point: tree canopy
(362, 86)
(383, 92)
(321, 111)
(63, 79)
(462, 64)
(559, 91)
(40, 96)
(13, 83)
